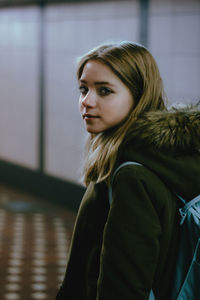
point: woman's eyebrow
(103, 82)
(98, 82)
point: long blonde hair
(137, 69)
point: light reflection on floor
(34, 242)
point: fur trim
(175, 128)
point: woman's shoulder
(131, 170)
(139, 182)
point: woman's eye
(83, 90)
(104, 91)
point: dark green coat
(121, 252)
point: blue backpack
(186, 279)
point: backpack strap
(127, 163)
(184, 210)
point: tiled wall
(174, 40)
(19, 72)
(70, 30)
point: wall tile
(19, 85)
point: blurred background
(41, 132)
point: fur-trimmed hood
(176, 128)
(168, 143)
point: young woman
(123, 250)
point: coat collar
(177, 128)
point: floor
(34, 241)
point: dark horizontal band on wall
(43, 185)
(4, 3)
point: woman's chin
(92, 129)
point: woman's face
(105, 101)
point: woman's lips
(89, 116)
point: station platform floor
(34, 240)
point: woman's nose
(88, 100)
